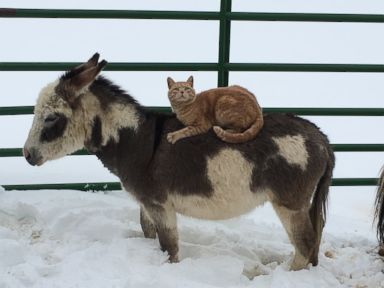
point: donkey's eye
(54, 127)
(51, 118)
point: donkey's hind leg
(147, 225)
(299, 228)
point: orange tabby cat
(233, 112)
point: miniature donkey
(289, 163)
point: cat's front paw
(172, 137)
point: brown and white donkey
(379, 212)
(290, 163)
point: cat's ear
(170, 82)
(190, 81)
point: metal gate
(223, 67)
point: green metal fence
(223, 67)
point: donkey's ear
(170, 82)
(86, 77)
(94, 59)
(190, 81)
(92, 62)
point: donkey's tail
(379, 208)
(318, 210)
(245, 136)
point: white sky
(34, 40)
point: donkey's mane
(68, 75)
(107, 92)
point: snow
(53, 238)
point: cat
(233, 112)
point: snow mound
(77, 239)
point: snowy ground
(77, 239)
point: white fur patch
(293, 150)
(230, 175)
(115, 117)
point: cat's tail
(245, 136)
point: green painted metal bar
(224, 68)
(61, 66)
(16, 110)
(354, 181)
(328, 111)
(306, 17)
(187, 15)
(224, 43)
(358, 147)
(26, 110)
(11, 152)
(293, 67)
(17, 152)
(108, 186)
(107, 14)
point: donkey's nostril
(26, 154)
(32, 156)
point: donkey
(289, 163)
(379, 212)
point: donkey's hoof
(381, 250)
(174, 259)
(299, 262)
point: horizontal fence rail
(238, 67)
(17, 152)
(105, 186)
(288, 67)
(306, 111)
(188, 15)
(59, 66)
(107, 14)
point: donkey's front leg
(163, 217)
(147, 225)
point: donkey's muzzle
(32, 156)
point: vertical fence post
(224, 42)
